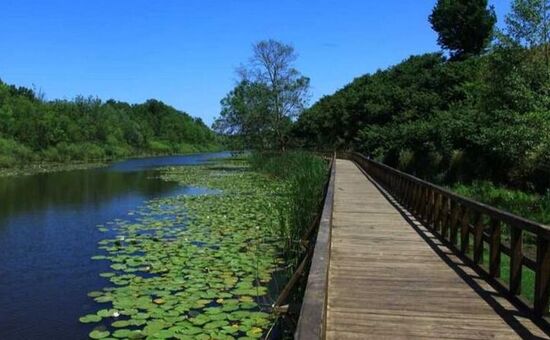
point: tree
(465, 27)
(528, 25)
(243, 116)
(271, 94)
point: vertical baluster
(446, 216)
(454, 222)
(516, 259)
(398, 188)
(428, 210)
(408, 194)
(410, 206)
(542, 277)
(494, 249)
(422, 203)
(437, 211)
(478, 239)
(418, 198)
(465, 231)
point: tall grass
(306, 175)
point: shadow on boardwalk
(390, 277)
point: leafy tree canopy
(465, 27)
(270, 95)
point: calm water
(48, 234)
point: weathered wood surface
(391, 278)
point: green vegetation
(306, 175)
(461, 120)
(86, 129)
(202, 266)
(189, 265)
(517, 202)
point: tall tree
(465, 27)
(528, 25)
(271, 90)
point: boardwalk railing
(495, 233)
(312, 321)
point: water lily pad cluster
(193, 267)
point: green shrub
(185, 148)
(158, 147)
(13, 153)
(406, 160)
(532, 206)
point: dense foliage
(85, 129)
(445, 121)
(483, 118)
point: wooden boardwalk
(389, 277)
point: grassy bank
(17, 160)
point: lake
(48, 234)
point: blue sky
(184, 52)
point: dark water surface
(48, 234)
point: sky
(184, 52)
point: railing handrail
(312, 320)
(507, 217)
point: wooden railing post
(494, 249)
(430, 208)
(465, 231)
(418, 200)
(446, 217)
(542, 277)
(437, 211)
(408, 198)
(454, 219)
(516, 259)
(478, 239)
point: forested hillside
(486, 117)
(477, 117)
(477, 121)
(87, 129)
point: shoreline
(50, 167)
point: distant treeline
(483, 118)
(87, 129)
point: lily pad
(90, 318)
(97, 334)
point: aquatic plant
(194, 266)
